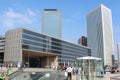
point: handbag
(66, 74)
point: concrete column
(48, 59)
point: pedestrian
(9, 71)
(74, 70)
(53, 67)
(1, 66)
(69, 72)
(4, 76)
(56, 68)
(24, 66)
(27, 64)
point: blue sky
(27, 13)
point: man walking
(69, 71)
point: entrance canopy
(35, 54)
(39, 59)
(88, 58)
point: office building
(52, 22)
(100, 33)
(118, 48)
(39, 49)
(83, 41)
(2, 48)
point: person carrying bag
(69, 73)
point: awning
(89, 58)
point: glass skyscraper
(52, 22)
(100, 33)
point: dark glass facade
(66, 51)
(2, 48)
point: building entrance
(38, 59)
(35, 62)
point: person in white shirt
(69, 71)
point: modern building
(83, 41)
(2, 48)
(118, 48)
(100, 33)
(40, 50)
(52, 22)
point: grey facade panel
(13, 50)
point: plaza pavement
(106, 77)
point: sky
(27, 13)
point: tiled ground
(106, 77)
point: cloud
(30, 12)
(11, 14)
(10, 19)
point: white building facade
(100, 33)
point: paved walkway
(106, 77)
(73, 77)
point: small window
(25, 46)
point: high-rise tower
(100, 33)
(52, 22)
(118, 47)
(82, 40)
